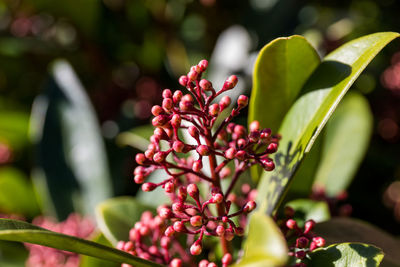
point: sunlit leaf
(13, 230)
(307, 209)
(87, 261)
(305, 120)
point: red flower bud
(250, 206)
(149, 153)
(224, 102)
(203, 64)
(182, 193)
(193, 131)
(239, 130)
(254, 126)
(217, 198)
(177, 96)
(197, 166)
(291, 224)
(156, 110)
(176, 120)
(147, 187)
(165, 213)
(169, 187)
(239, 231)
(140, 158)
(179, 227)
(300, 254)
(160, 120)
(242, 101)
(206, 85)
(169, 231)
(192, 75)
(134, 234)
(178, 207)
(268, 164)
(302, 242)
(231, 82)
(203, 263)
(193, 191)
(220, 230)
(272, 148)
(230, 153)
(183, 80)
(178, 146)
(226, 259)
(308, 226)
(225, 172)
(175, 263)
(213, 110)
(240, 155)
(167, 93)
(196, 221)
(196, 248)
(203, 150)
(139, 179)
(167, 104)
(159, 156)
(319, 241)
(229, 234)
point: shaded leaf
(138, 137)
(346, 254)
(351, 230)
(307, 209)
(12, 254)
(72, 164)
(309, 114)
(14, 128)
(87, 261)
(16, 193)
(265, 244)
(346, 140)
(13, 230)
(116, 216)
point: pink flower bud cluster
(40, 256)
(301, 240)
(228, 149)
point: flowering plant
(215, 216)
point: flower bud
(226, 259)
(182, 193)
(213, 110)
(165, 213)
(149, 153)
(254, 136)
(179, 227)
(183, 80)
(265, 134)
(319, 241)
(178, 207)
(160, 120)
(176, 120)
(220, 230)
(196, 221)
(169, 231)
(140, 158)
(197, 166)
(203, 150)
(178, 146)
(239, 130)
(169, 187)
(217, 198)
(193, 131)
(241, 143)
(212, 264)
(300, 254)
(192, 75)
(302, 242)
(134, 234)
(268, 164)
(291, 224)
(242, 101)
(147, 187)
(196, 248)
(120, 245)
(240, 155)
(175, 263)
(224, 102)
(193, 191)
(165, 242)
(167, 93)
(203, 263)
(230, 153)
(225, 172)
(156, 110)
(139, 179)
(159, 156)
(254, 126)
(167, 104)
(250, 206)
(308, 226)
(272, 148)
(203, 64)
(229, 234)
(313, 246)
(239, 231)
(177, 96)
(206, 85)
(231, 82)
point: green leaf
(87, 261)
(346, 140)
(339, 230)
(277, 81)
(16, 193)
(265, 244)
(13, 230)
(116, 216)
(14, 128)
(72, 163)
(309, 114)
(12, 254)
(346, 254)
(282, 68)
(138, 137)
(308, 209)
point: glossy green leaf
(116, 216)
(339, 230)
(307, 209)
(16, 193)
(346, 141)
(13, 230)
(87, 261)
(265, 244)
(305, 120)
(282, 68)
(346, 254)
(72, 165)
(138, 137)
